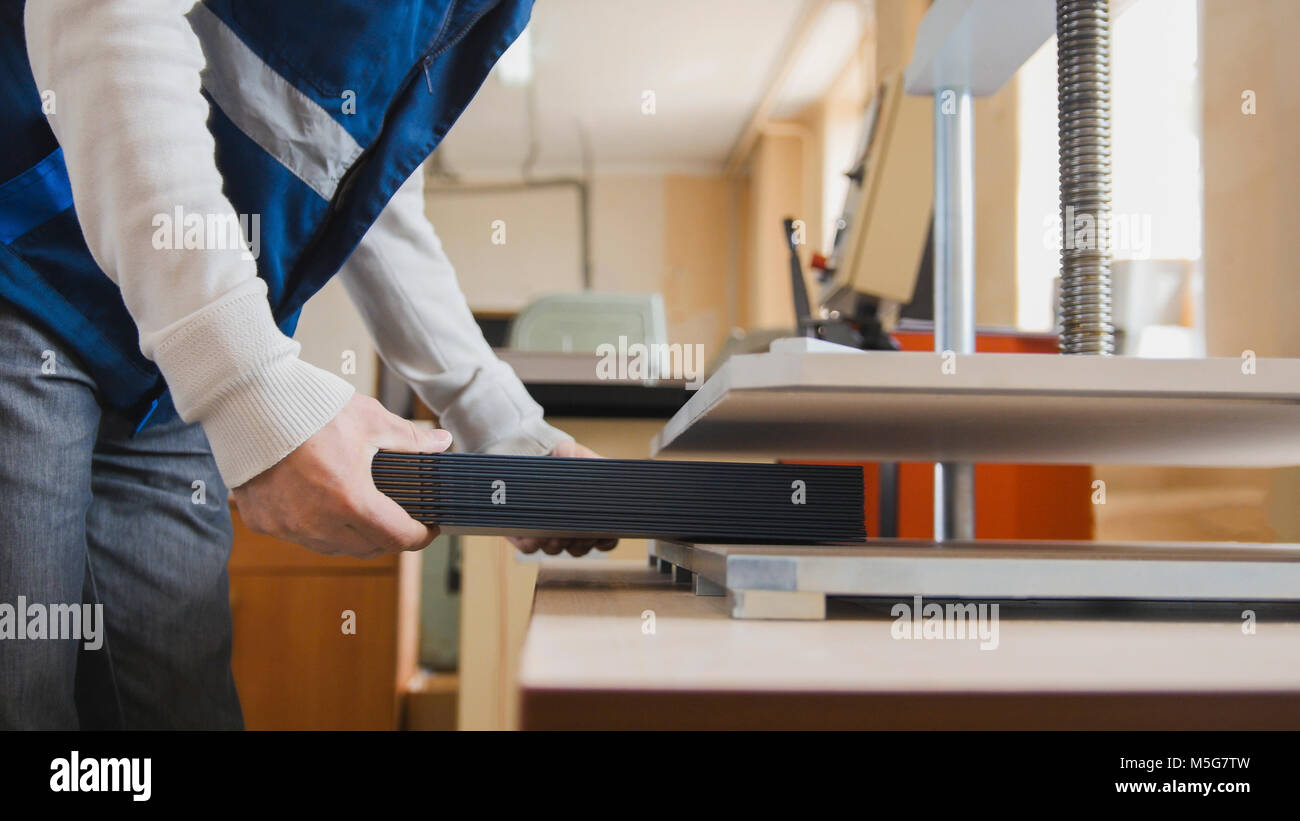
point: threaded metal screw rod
(1083, 122)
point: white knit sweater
(133, 127)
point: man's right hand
(322, 496)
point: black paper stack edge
(702, 502)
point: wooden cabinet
(320, 642)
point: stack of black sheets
(686, 501)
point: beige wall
(697, 219)
(1252, 201)
(627, 225)
(543, 230)
(542, 252)
(996, 178)
(896, 25)
(1252, 165)
(329, 328)
(777, 189)
(663, 233)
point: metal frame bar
(954, 285)
(792, 576)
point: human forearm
(406, 290)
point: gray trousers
(90, 514)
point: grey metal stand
(793, 581)
(954, 285)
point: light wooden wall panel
(1252, 200)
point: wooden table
(590, 661)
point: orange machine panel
(1011, 501)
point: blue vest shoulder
(320, 109)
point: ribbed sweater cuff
(495, 414)
(230, 368)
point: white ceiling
(708, 63)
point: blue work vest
(320, 109)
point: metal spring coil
(1083, 121)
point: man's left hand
(556, 546)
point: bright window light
(515, 68)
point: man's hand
(577, 547)
(321, 495)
